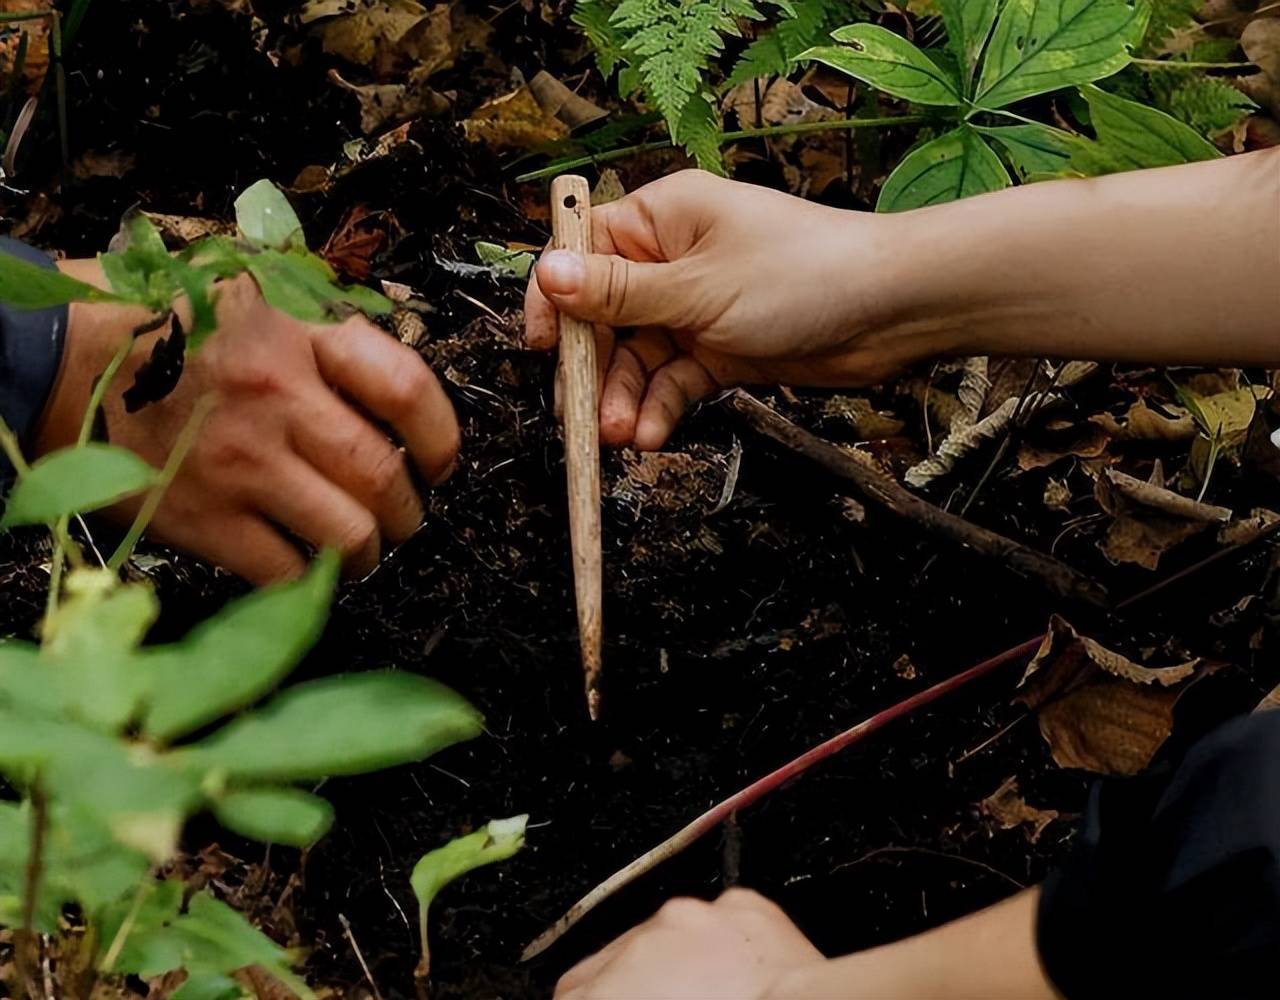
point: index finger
(392, 382)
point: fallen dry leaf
(514, 121)
(1098, 710)
(384, 104)
(1246, 529)
(36, 32)
(1060, 439)
(184, 229)
(905, 669)
(1009, 810)
(107, 164)
(1057, 495)
(1149, 519)
(386, 36)
(562, 103)
(1142, 423)
(868, 423)
(608, 188)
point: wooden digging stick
(571, 230)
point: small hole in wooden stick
(570, 202)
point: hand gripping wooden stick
(571, 230)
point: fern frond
(772, 54)
(1169, 17)
(594, 18)
(699, 133)
(1210, 106)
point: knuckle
(386, 472)
(359, 536)
(231, 453)
(409, 384)
(683, 910)
(617, 279)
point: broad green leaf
(218, 939)
(265, 218)
(513, 263)
(209, 987)
(1043, 45)
(1132, 136)
(75, 481)
(1036, 151)
(149, 948)
(339, 725)
(275, 815)
(139, 267)
(953, 166)
(238, 655)
(497, 841)
(302, 285)
(24, 285)
(968, 27)
(888, 62)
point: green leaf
(266, 219)
(303, 285)
(887, 62)
(1209, 105)
(275, 815)
(497, 841)
(699, 133)
(24, 285)
(209, 987)
(339, 725)
(1036, 151)
(955, 165)
(75, 481)
(1042, 45)
(968, 27)
(1132, 136)
(238, 655)
(505, 261)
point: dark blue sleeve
(1175, 888)
(30, 354)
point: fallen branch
(881, 488)
(754, 792)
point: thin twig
(930, 853)
(355, 947)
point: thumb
(610, 289)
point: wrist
(95, 332)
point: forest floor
(751, 611)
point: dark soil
(737, 637)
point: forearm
(988, 956)
(1176, 265)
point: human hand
(289, 445)
(735, 948)
(724, 284)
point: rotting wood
(877, 486)
(571, 229)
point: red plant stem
(718, 813)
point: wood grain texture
(571, 230)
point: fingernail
(561, 272)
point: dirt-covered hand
(736, 948)
(719, 283)
(289, 450)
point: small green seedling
(497, 841)
(505, 261)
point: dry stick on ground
(571, 228)
(720, 812)
(881, 488)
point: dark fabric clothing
(30, 353)
(1174, 890)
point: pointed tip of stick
(592, 668)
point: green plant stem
(1179, 64)
(12, 449)
(147, 511)
(798, 128)
(126, 928)
(100, 390)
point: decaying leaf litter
(757, 606)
